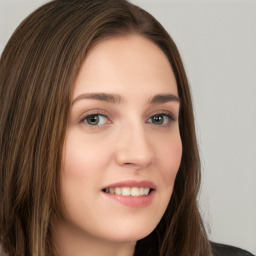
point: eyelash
(171, 118)
(85, 119)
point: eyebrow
(163, 98)
(116, 99)
(110, 98)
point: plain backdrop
(217, 41)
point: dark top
(227, 250)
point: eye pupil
(158, 119)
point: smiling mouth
(127, 191)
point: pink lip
(133, 201)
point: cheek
(80, 170)
(80, 175)
(80, 159)
(170, 158)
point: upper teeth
(126, 191)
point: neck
(69, 241)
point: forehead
(132, 62)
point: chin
(130, 234)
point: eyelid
(168, 113)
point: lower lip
(133, 201)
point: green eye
(158, 119)
(161, 119)
(95, 119)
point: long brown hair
(38, 69)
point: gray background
(217, 41)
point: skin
(126, 144)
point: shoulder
(227, 250)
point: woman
(97, 138)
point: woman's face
(123, 147)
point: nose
(133, 148)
